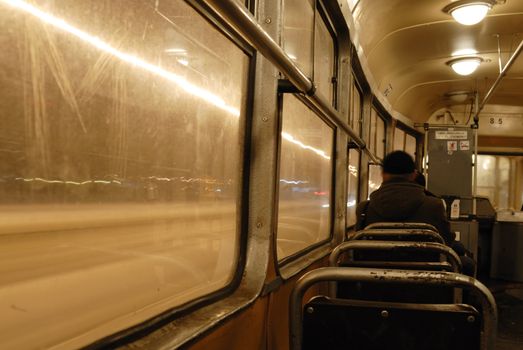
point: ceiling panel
(409, 42)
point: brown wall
(264, 325)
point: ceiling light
(469, 12)
(465, 65)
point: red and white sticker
(452, 146)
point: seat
(398, 234)
(334, 323)
(401, 225)
(337, 324)
(392, 292)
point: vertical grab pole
(426, 155)
(475, 179)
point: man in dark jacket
(400, 199)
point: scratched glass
(324, 59)
(298, 33)
(305, 192)
(119, 165)
(399, 139)
(352, 185)
(410, 145)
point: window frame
(358, 184)
(293, 257)
(411, 132)
(158, 321)
(322, 11)
(373, 139)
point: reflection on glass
(399, 140)
(372, 133)
(324, 57)
(305, 179)
(375, 178)
(499, 178)
(410, 145)
(352, 185)
(356, 103)
(298, 31)
(380, 138)
(119, 165)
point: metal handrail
(238, 17)
(394, 247)
(500, 77)
(401, 225)
(431, 278)
(429, 234)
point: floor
(509, 297)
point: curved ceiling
(408, 43)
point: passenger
(400, 199)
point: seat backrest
(401, 225)
(390, 251)
(402, 325)
(398, 234)
(348, 324)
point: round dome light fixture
(465, 65)
(469, 12)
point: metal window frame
(308, 249)
(137, 331)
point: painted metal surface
(488, 304)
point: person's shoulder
(433, 202)
(362, 205)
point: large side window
(298, 32)
(499, 178)
(403, 141)
(120, 163)
(377, 139)
(306, 169)
(410, 145)
(356, 107)
(324, 57)
(375, 178)
(399, 139)
(352, 185)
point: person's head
(398, 164)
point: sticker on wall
(450, 134)
(464, 145)
(452, 146)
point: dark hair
(398, 163)
(420, 179)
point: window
(410, 145)
(499, 178)
(356, 105)
(399, 140)
(375, 178)
(298, 32)
(352, 185)
(324, 58)
(405, 142)
(377, 134)
(120, 165)
(306, 170)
